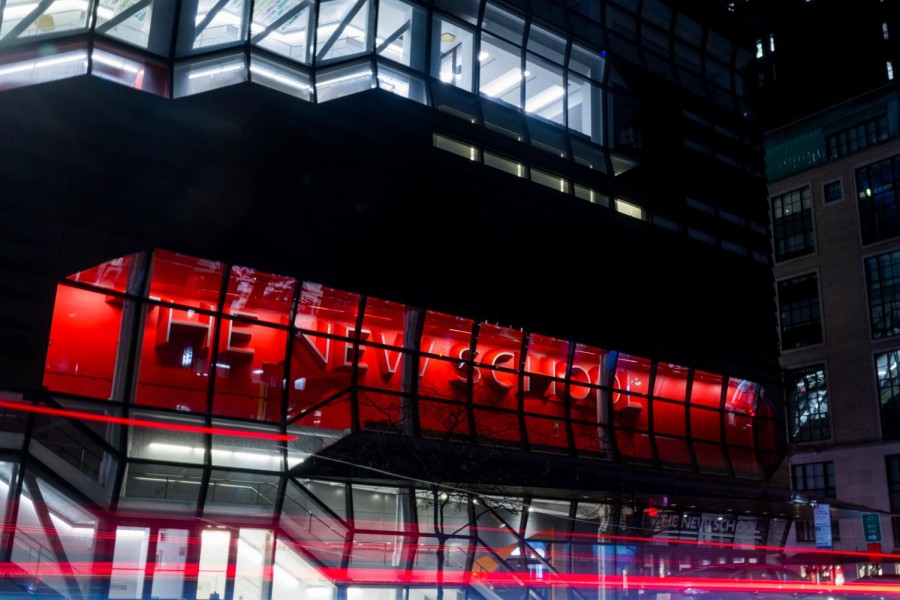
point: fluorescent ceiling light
(43, 63)
(544, 98)
(284, 80)
(111, 60)
(217, 70)
(503, 84)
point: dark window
(798, 307)
(883, 285)
(856, 138)
(886, 367)
(892, 466)
(792, 224)
(833, 191)
(806, 532)
(814, 479)
(879, 203)
(808, 405)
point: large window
(793, 224)
(858, 137)
(798, 306)
(808, 405)
(892, 467)
(879, 203)
(883, 284)
(814, 479)
(887, 367)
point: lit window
(808, 405)
(890, 70)
(759, 49)
(632, 210)
(772, 42)
(884, 30)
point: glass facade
(808, 405)
(793, 224)
(187, 412)
(883, 286)
(879, 203)
(799, 311)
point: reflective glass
(252, 563)
(293, 577)
(500, 70)
(544, 90)
(180, 279)
(111, 275)
(402, 84)
(673, 452)
(204, 75)
(583, 111)
(496, 378)
(129, 563)
(503, 23)
(453, 54)
(84, 339)
(171, 557)
(401, 33)
(172, 440)
(212, 573)
(132, 71)
(343, 29)
(35, 67)
(258, 295)
(282, 27)
(244, 494)
(320, 533)
(25, 18)
(344, 81)
(129, 20)
(214, 23)
(161, 488)
(280, 78)
(546, 44)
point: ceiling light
(448, 37)
(502, 84)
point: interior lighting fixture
(20, 11)
(282, 79)
(502, 84)
(110, 61)
(43, 63)
(448, 38)
(216, 70)
(345, 78)
(544, 98)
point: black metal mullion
(121, 17)
(340, 29)
(28, 19)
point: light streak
(86, 416)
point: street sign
(872, 527)
(822, 522)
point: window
(892, 467)
(806, 532)
(857, 137)
(814, 479)
(832, 191)
(792, 224)
(798, 306)
(879, 203)
(886, 367)
(808, 405)
(883, 286)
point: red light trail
(76, 414)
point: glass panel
(180, 279)
(161, 488)
(39, 67)
(198, 76)
(445, 347)
(318, 371)
(254, 551)
(544, 90)
(84, 338)
(293, 577)
(673, 452)
(258, 295)
(215, 23)
(546, 434)
(343, 29)
(249, 370)
(506, 165)
(130, 21)
(168, 441)
(282, 27)
(132, 71)
(171, 558)
(547, 44)
(587, 63)
(129, 562)
(744, 463)
(503, 23)
(111, 275)
(174, 363)
(213, 568)
(706, 424)
(247, 452)
(545, 372)
(669, 418)
(710, 458)
(500, 70)
(453, 54)
(381, 412)
(280, 78)
(452, 512)
(548, 519)
(443, 420)
(344, 81)
(25, 18)
(401, 33)
(707, 390)
(244, 494)
(402, 84)
(496, 378)
(8, 471)
(321, 534)
(671, 381)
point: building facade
(340, 298)
(835, 237)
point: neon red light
(76, 414)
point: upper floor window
(792, 224)
(887, 366)
(858, 137)
(883, 285)
(879, 203)
(798, 307)
(808, 405)
(814, 479)
(833, 191)
(892, 467)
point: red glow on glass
(76, 414)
